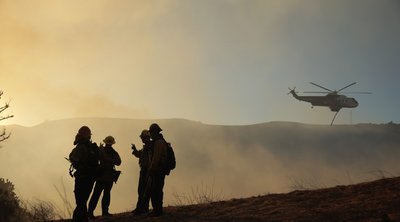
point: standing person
(157, 169)
(144, 155)
(108, 159)
(85, 159)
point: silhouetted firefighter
(85, 159)
(109, 158)
(144, 156)
(162, 162)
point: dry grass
(201, 194)
(67, 209)
(369, 201)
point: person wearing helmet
(156, 169)
(109, 158)
(143, 155)
(85, 159)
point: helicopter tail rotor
(291, 91)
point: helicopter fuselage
(332, 100)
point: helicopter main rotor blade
(357, 92)
(316, 92)
(346, 86)
(320, 86)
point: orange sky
(221, 62)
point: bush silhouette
(9, 202)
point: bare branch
(4, 135)
(4, 107)
(5, 117)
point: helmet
(109, 140)
(145, 134)
(155, 128)
(84, 131)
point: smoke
(231, 162)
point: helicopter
(332, 99)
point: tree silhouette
(3, 134)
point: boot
(106, 214)
(91, 216)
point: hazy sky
(215, 61)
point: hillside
(371, 201)
(230, 161)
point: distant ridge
(270, 123)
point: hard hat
(155, 128)
(145, 134)
(84, 131)
(109, 140)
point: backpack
(88, 163)
(171, 161)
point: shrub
(40, 210)
(10, 209)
